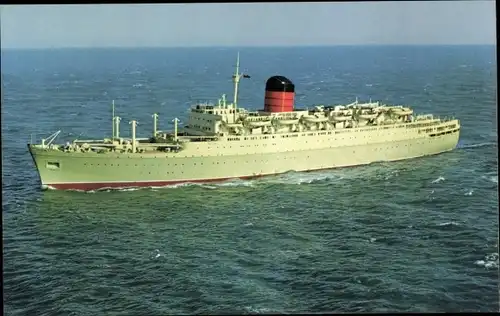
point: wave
(329, 176)
(439, 179)
(258, 310)
(466, 146)
(376, 171)
(449, 224)
(469, 193)
(493, 179)
(297, 178)
(489, 261)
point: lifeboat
(368, 116)
(287, 121)
(234, 125)
(339, 118)
(258, 123)
(403, 112)
(315, 119)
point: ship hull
(78, 171)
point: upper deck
(278, 118)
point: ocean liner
(222, 141)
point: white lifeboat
(315, 119)
(369, 116)
(340, 118)
(287, 121)
(403, 112)
(258, 123)
(234, 125)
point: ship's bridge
(206, 118)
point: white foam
(439, 179)
(450, 224)
(257, 310)
(493, 179)
(299, 178)
(179, 185)
(469, 193)
(490, 261)
(236, 183)
(210, 187)
(129, 189)
(476, 145)
(155, 254)
(393, 173)
(292, 177)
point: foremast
(236, 79)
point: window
(53, 165)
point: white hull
(174, 168)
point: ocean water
(414, 236)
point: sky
(248, 24)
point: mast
(117, 126)
(155, 120)
(113, 121)
(236, 79)
(133, 123)
(175, 120)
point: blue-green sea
(413, 236)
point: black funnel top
(280, 84)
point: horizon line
(234, 46)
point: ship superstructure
(222, 141)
